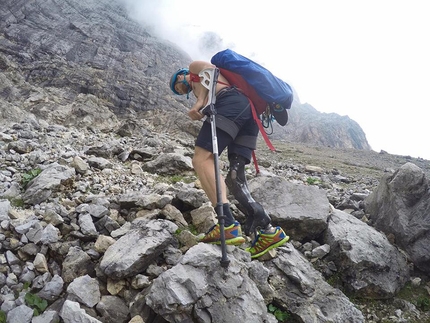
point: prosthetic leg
(256, 216)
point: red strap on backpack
(263, 133)
(260, 126)
(254, 158)
(256, 102)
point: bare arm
(199, 90)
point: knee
(197, 160)
(200, 158)
(196, 163)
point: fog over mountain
(369, 72)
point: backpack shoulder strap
(194, 77)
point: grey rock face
(303, 210)
(303, 283)
(401, 206)
(113, 309)
(96, 68)
(71, 312)
(135, 251)
(199, 287)
(370, 265)
(169, 164)
(46, 317)
(86, 290)
(41, 187)
(77, 263)
(20, 314)
(79, 68)
(4, 208)
(52, 289)
(307, 125)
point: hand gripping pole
(209, 78)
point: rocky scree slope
(109, 214)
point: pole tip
(225, 263)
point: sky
(367, 59)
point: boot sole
(231, 242)
(273, 246)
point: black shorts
(234, 106)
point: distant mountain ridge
(87, 63)
(309, 126)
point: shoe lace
(256, 241)
(212, 230)
(260, 241)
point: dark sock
(229, 219)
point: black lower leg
(256, 216)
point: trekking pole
(209, 81)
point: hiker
(237, 131)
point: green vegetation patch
(417, 295)
(281, 316)
(313, 181)
(30, 175)
(36, 303)
(175, 179)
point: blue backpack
(265, 91)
